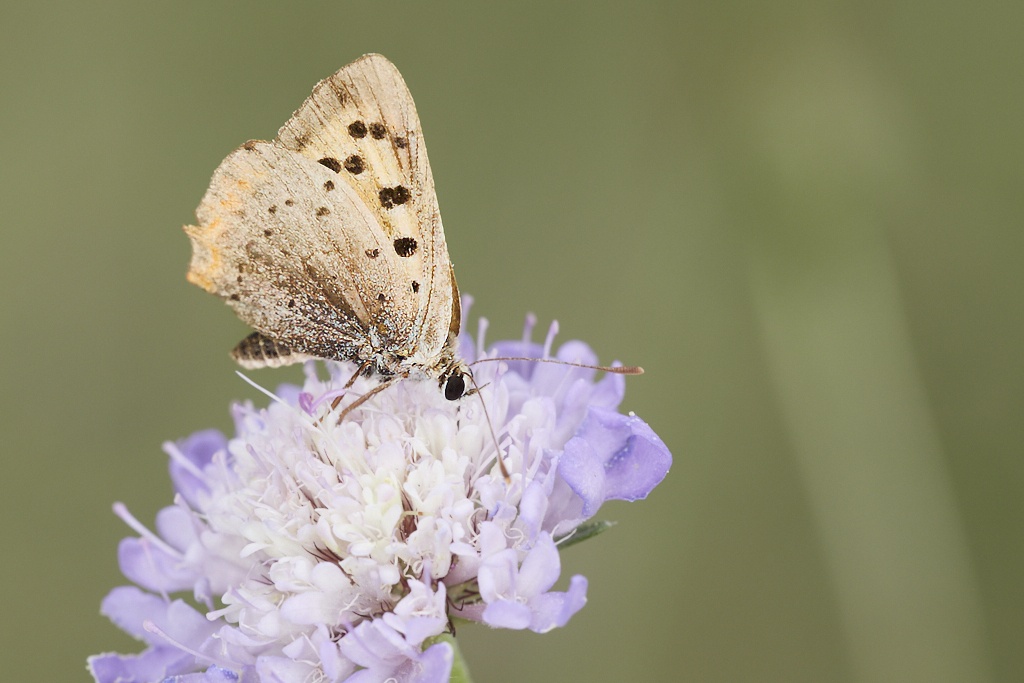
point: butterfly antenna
(490, 425)
(617, 369)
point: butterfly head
(454, 380)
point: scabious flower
(316, 550)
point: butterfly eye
(454, 387)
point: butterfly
(328, 240)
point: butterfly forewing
(328, 240)
(362, 123)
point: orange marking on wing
(233, 201)
(206, 257)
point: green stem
(460, 672)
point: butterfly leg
(362, 399)
(476, 389)
(348, 385)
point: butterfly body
(328, 240)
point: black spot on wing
(415, 286)
(405, 246)
(401, 143)
(289, 202)
(329, 185)
(331, 163)
(378, 131)
(357, 129)
(391, 197)
(272, 209)
(373, 253)
(322, 211)
(354, 164)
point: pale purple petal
(609, 391)
(418, 629)
(335, 666)
(374, 645)
(550, 379)
(606, 431)
(434, 665)
(565, 508)
(282, 670)
(198, 450)
(387, 655)
(171, 622)
(518, 349)
(553, 610)
(532, 508)
(154, 664)
(613, 456)
(492, 539)
(507, 614)
(176, 525)
(129, 608)
(583, 471)
(289, 393)
(575, 351)
(150, 566)
(515, 594)
(214, 674)
(539, 569)
(639, 466)
(497, 576)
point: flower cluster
(316, 550)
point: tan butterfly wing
(328, 240)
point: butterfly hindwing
(294, 259)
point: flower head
(323, 550)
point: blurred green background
(805, 220)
